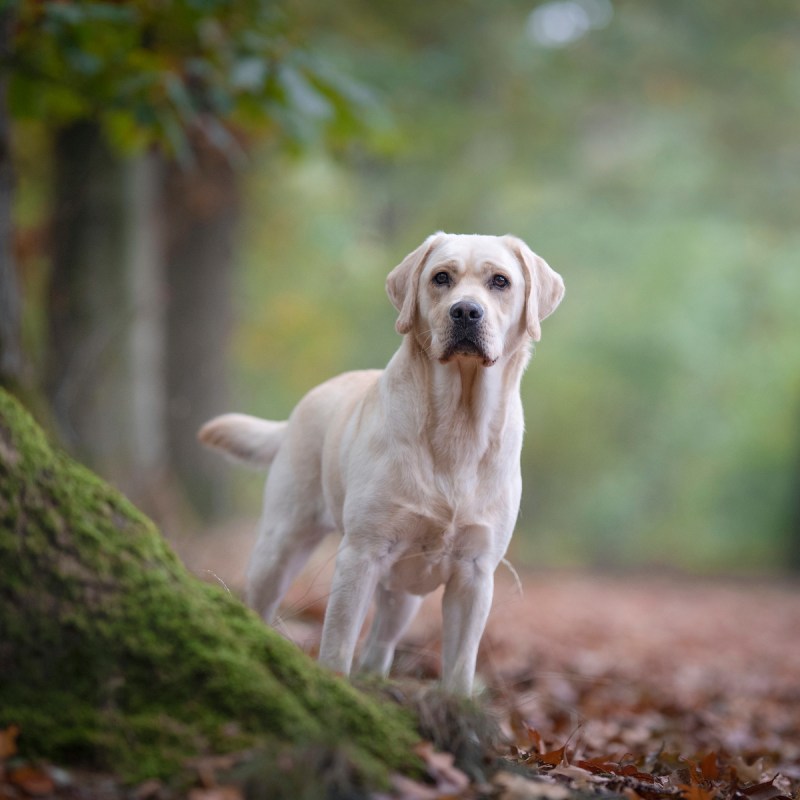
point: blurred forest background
(200, 200)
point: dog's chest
(428, 546)
(447, 514)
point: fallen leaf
(693, 791)
(518, 787)
(552, 759)
(750, 772)
(525, 737)
(8, 742)
(763, 791)
(579, 777)
(32, 781)
(448, 778)
(709, 767)
(606, 765)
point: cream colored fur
(417, 465)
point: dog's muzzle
(466, 332)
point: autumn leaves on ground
(643, 685)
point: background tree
(647, 152)
(10, 299)
(144, 101)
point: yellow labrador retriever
(417, 464)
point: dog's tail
(244, 439)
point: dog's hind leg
(280, 553)
(354, 583)
(293, 522)
(393, 612)
(291, 526)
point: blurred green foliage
(153, 71)
(652, 160)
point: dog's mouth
(466, 347)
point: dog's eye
(441, 279)
(500, 282)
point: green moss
(113, 654)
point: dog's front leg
(465, 609)
(354, 583)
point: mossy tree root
(112, 654)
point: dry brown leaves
(647, 688)
(18, 776)
(22, 778)
(647, 776)
(643, 688)
(619, 677)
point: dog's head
(470, 296)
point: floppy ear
(544, 287)
(403, 280)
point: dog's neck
(463, 407)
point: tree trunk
(106, 372)
(11, 362)
(202, 211)
(111, 654)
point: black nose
(467, 312)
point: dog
(417, 465)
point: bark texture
(112, 654)
(202, 211)
(106, 371)
(11, 362)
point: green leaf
(249, 74)
(83, 62)
(301, 94)
(166, 63)
(180, 97)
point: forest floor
(639, 685)
(648, 684)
